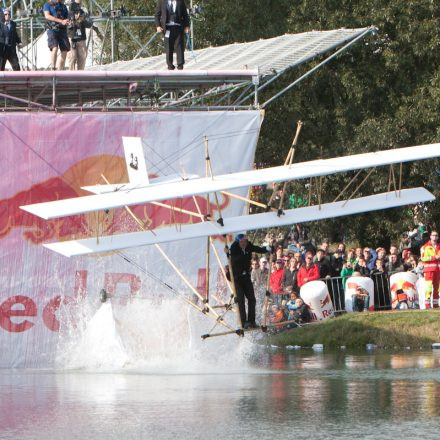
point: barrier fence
(382, 291)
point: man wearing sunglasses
(11, 40)
(430, 255)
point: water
(278, 394)
(113, 382)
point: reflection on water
(278, 395)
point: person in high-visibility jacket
(430, 255)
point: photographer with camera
(57, 19)
(79, 21)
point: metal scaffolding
(226, 77)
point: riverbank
(408, 328)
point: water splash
(143, 336)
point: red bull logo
(325, 301)
(37, 229)
(88, 172)
(405, 285)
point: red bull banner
(49, 156)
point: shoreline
(386, 330)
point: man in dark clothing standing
(241, 254)
(11, 40)
(80, 20)
(172, 20)
(2, 36)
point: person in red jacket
(430, 255)
(276, 281)
(308, 271)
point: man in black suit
(11, 40)
(2, 36)
(172, 20)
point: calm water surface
(280, 395)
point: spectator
(322, 262)
(416, 266)
(338, 262)
(361, 300)
(11, 40)
(291, 317)
(379, 267)
(264, 270)
(325, 247)
(351, 257)
(299, 259)
(381, 254)
(291, 304)
(289, 275)
(341, 248)
(346, 272)
(394, 265)
(302, 312)
(294, 246)
(276, 280)
(255, 273)
(362, 267)
(358, 254)
(406, 256)
(279, 252)
(308, 271)
(370, 257)
(277, 315)
(56, 15)
(394, 250)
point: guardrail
(382, 291)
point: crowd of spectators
(296, 259)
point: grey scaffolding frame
(215, 78)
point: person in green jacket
(346, 272)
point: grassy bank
(413, 328)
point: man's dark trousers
(245, 288)
(10, 54)
(175, 43)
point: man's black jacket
(162, 14)
(14, 39)
(241, 258)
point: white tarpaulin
(48, 156)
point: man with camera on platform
(57, 19)
(172, 20)
(79, 21)
(11, 40)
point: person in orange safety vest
(430, 255)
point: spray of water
(144, 336)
